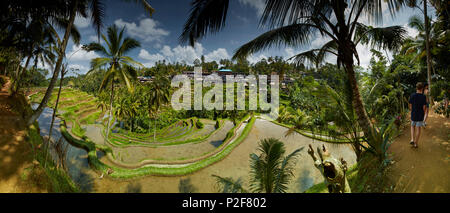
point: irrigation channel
(236, 164)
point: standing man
(417, 105)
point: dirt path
(16, 162)
(425, 169)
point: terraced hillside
(77, 108)
(183, 131)
(180, 148)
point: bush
(217, 126)
(199, 124)
(440, 109)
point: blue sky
(159, 34)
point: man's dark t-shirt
(417, 101)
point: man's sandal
(411, 142)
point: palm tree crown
(114, 57)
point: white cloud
(167, 51)
(364, 55)
(411, 31)
(81, 22)
(147, 29)
(150, 58)
(216, 55)
(319, 41)
(186, 54)
(259, 5)
(289, 52)
(79, 55)
(253, 59)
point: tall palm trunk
(110, 108)
(427, 45)
(32, 72)
(14, 75)
(20, 75)
(154, 132)
(53, 117)
(57, 69)
(56, 105)
(363, 118)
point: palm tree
(69, 10)
(55, 110)
(120, 65)
(39, 35)
(300, 120)
(133, 110)
(418, 44)
(294, 22)
(427, 45)
(158, 96)
(43, 54)
(121, 109)
(270, 171)
(344, 115)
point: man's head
(419, 86)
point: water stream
(76, 161)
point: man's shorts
(417, 123)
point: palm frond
(417, 23)
(316, 56)
(97, 9)
(125, 78)
(388, 38)
(228, 185)
(113, 38)
(97, 47)
(285, 172)
(257, 173)
(291, 35)
(145, 4)
(109, 77)
(130, 61)
(128, 44)
(279, 12)
(309, 56)
(206, 16)
(97, 63)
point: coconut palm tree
(300, 120)
(158, 96)
(38, 34)
(427, 46)
(417, 45)
(294, 22)
(121, 109)
(270, 171)
(344, 116)
(120, 66)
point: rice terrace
(248, 96)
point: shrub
(199, 124)
(217, 126)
